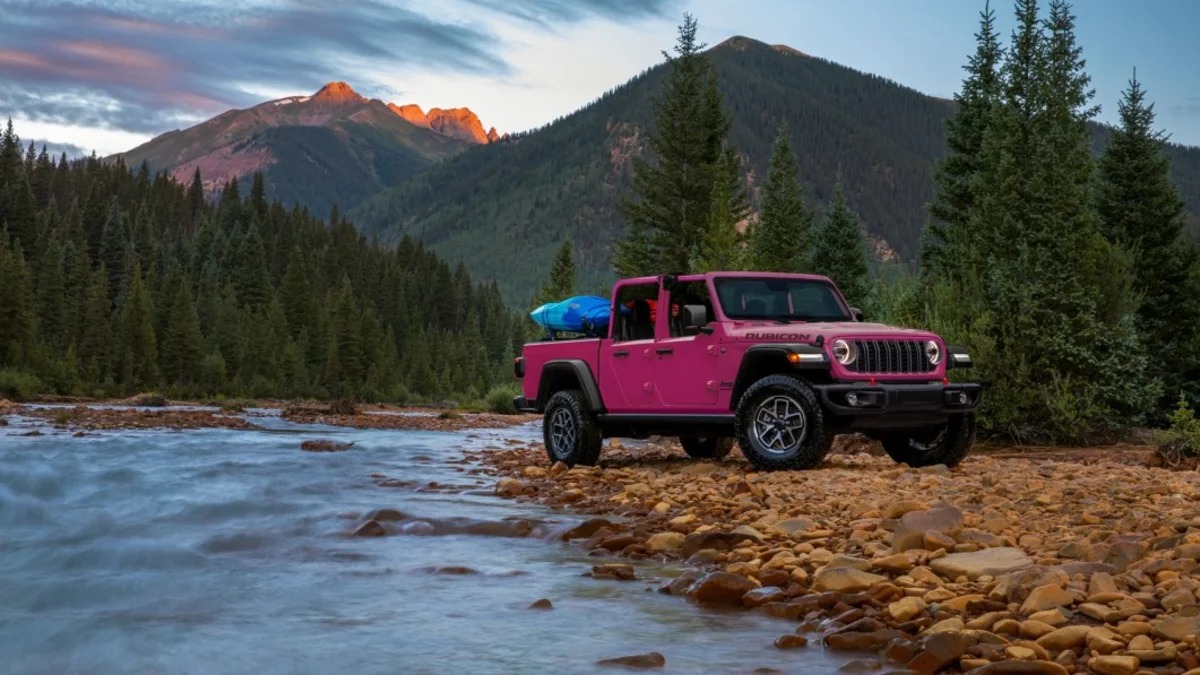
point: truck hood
(798, 331)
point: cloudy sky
(106, 75)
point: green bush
(1179, 446)
(18, 385)
(500, 399)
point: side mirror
(857, 314)
(695, 318)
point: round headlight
(844, 352)
(933, 352)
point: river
(226, 551)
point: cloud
(150, 69)
(1189, 109)
(57, 149)
(549, 12)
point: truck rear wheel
(781, 425)
(706, 447)
(946, 444)
(569, 430)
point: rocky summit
(1080, 562)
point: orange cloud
(115, 55)
(13, 57)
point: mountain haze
(504, 208)
(333, 147)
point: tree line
(115, 281)
(1068, 277)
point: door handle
(620, 354)
(664, 350)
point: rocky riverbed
(1084, 561)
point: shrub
(500, 399)
(150, 400)
(1179, 446)
(18, 385)
(343, 406)
(449, 415)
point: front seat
(641, 328)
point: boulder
(1046, 597)
(720, 588)
(790, 641)
(647, 660)
(665, 542)
(910, 531)
(906, 609)
(1067, 637)
(761, 596)
(1177, 628)
(938, 651)
(1114, 665)
(845, 580)
(989, 561)
(371, 528)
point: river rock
(1019, 668)
(758, 597)
(371, 528)
(910, 531)
(849, 561)
(1046, 597)
(1114, 665)
(898, 563)
(906, 609)
(617, 571)
(542, 603)
(509, 487)
(647, 660)
(863, 642)
(587, 529)
(898, 509)
(938, 651)
(325, 445)
(791, 641)
(1067, 637)
(665, 542)
(720, 588)
(792, 526)
(1177, 628)
(989, 561)
(845, 580)
(717, 541)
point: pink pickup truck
(778, 361)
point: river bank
(1019, 560)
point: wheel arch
(563, 374)
(772, 359)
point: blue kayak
(587, 314)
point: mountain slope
(334, 147)
(514, 201)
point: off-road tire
(782, 393)
(578, 436)
(706, 447)
(945, 444)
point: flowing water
(226, 551)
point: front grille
(890, 356)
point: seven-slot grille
(890, 356)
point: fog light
(963, 399)
(852, 398)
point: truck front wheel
(781, 425)
(706, 447)
(570, 431)
(945, 444)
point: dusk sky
(106, 75)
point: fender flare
(811, 358)
(574, 369)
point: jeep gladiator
(779, 362)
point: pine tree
(721, 247)
(17, 208)
(781, 240)
(195, 197)
(946, 245)
(96, 339)
(560, 285)
(139, 365)
(18, 324)
(182, 343)
(344, 366)
(52, 295)
(840, 251)
(114, 248)
(674, 188)
(296, 291)
(253, 283)
(1141, 212)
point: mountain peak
(338, 92)
(410, 113)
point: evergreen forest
(114, 281)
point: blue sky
(106, 75)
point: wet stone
(647, 660)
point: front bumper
(523, 404)
(863, 399)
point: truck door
(686, 365)
(627, 357)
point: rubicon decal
(782, 337)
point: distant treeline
(114, 281)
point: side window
(690, 293)
(636, 312)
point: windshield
(780, 298)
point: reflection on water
(226, 551)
